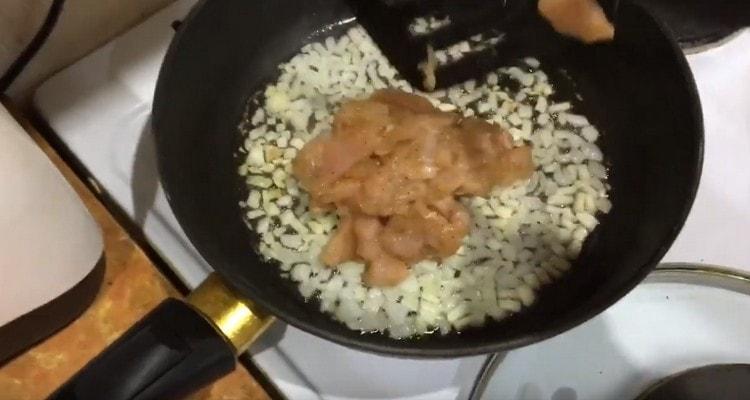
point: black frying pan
(638, 91)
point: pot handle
(174, 350)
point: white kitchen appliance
(49, 244)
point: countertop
(132, 286)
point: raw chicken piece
(383, 269)
(357, 131)
(342, 246)
(392, 168)
(581, 19)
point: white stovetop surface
(100, 108)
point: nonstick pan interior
(638, 91)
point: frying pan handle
(168, 354)
(173, 351)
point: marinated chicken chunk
(393, 167)
(581, 19)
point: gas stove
(100, 110)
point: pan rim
(575, 318)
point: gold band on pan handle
(238, 319)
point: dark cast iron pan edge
(161, 101)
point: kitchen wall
(83, 26)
